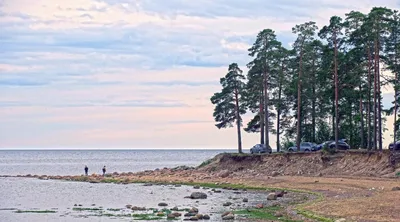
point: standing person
(104, 170)
(86, 170)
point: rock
(275, 173)
(199, 216)
(175, 208)
(228, 217)
(271, 196)
(162, 204)
(217, 191)
(176, 214)
(226, 204)
(245, 200)
(194, 218)
(259, 206)
(226, 213)
(206, 217)
(178, 185)
(196, 187)
(224, 174)
(160, 214)
(198, 195)
(278, 214)
(280, 193)
(147, 184)
(170, 216)
(395, 188)
(193, 210)
(340, 220)
(189, 214)
(128, 206)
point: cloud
(132, 73)
(187, 83)
(132, 103)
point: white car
(260, 148)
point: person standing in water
(86, 170)
(104, 170)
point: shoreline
(343, 197)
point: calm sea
(72, 162)
(29, 194)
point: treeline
(327, 86)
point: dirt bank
(364, 164)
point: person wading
(86, 170)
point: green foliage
(267, 213)
(225, 111)
(271, 92)
(205, 163)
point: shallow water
(72, 162)
(28, 194)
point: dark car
(396, 146)
(342, 145)
(260, 148)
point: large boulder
(224, 174)
(275, 173)
(272, 196)
(198, 195)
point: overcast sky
(134, 73)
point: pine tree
(229, 102)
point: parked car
(322, 145)
(304, 146)
(260, 148)
(342, 145)
(396, 146)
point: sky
(135, 73)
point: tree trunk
(266, 103)
(299, 99)
(262, 139)
(379, 98)
(313, 101)
(369, 98)
(351, 143)
(375, 99)
(361, 119)
(238, 121)
(396, 82)
(336, 97)
(278, 123)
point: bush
(327, 150)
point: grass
(205, 163)
(267, 213)
(397, 174)
(36, 211)
(146, 217)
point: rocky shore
(305, 187)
